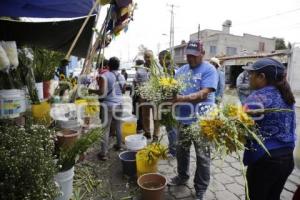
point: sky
(151, 25)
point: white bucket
(135, 142)
(70, 124)
(12, 103)
(65, 182)
(40, 90)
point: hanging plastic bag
(4, 61)
(10, 48)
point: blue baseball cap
(268, 65)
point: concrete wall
(243, 44)
(247, 42)
(252, 42)
(294, 69)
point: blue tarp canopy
(54, 35)
(45, 8)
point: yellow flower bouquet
(153, 152)
(228, 128)
(147, 158)
(161, 87)
(91, 106)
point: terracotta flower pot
(66, 138)
(152, 186)
(46, 89)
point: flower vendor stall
(32, 55)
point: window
(261, 46)
(177, 52)
(230, 51)
(213, 50)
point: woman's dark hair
(279, 81)
(139, 62)
(165, 54)
(113, 63)
(102, 64)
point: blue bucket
(128, 162)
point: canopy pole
(98, 42)
(81, 29)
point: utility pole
(172, 30)
(198, 31)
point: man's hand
(193, 97)
(178, 98)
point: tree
(280, 44)
(289, 45)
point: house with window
(221, 43)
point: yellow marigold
(167, 82)
(153, 152)
(246, 119)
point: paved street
(226, 183)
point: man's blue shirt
(195, 79)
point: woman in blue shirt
(266, 175)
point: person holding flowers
(164, 58)
(149, 65)
(201, 79)
(267, 174)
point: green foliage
(25, 66)
(27, 167)
(167, 119)
(68, 156)
(280, 44)
(45, 63)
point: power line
(268, 17)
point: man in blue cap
(201, 80)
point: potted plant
(68, 156)
(27, 167)
(12, 97)
(44, 64)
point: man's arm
(194, 97)
(102, 84)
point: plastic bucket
(152, 186)
(128, 162)
(41, 112)
(40, 90)
(12, 103)
(128, 126)
(65, 182)
(69, 124)
(145, 167)
(135, 142)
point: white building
(222, 43)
